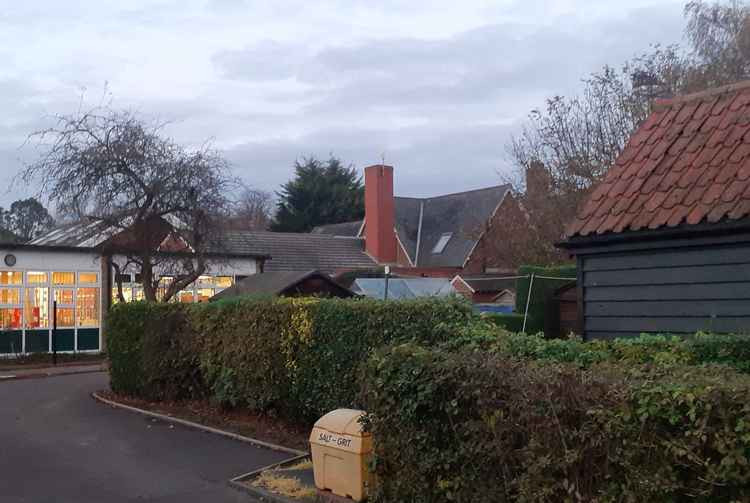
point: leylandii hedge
(296, 357)
(477, 426)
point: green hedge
(480, 426)
(698, 349)
(512, 322)
(296, 357)
(541, 290)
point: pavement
(43, 371)
(60, 446)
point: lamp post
(387, 276)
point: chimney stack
(538, 180)
(380, 214)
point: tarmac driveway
(58, 445)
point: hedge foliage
(540, 291)
(478, 426)
(512, 322)
(697, 349)
(295, 357)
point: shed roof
(275, 283)
(488, 284)
(687, 164)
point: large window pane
(88, 307)
(204, 294)
(88, 277)
(10, 318)
(63, 278)
(10, 295)
(37, 307)
(36, 278)
(11, 278)
(127, 293)
(186, 296)
(65, 318)
(224, 281)
(64, 296)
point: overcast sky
(436, 86)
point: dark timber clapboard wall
(667, 286)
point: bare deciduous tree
(576, 139)
(155, 201)
(253, 210)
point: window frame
(441, 243)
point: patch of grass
(305, 464)
(291, 487)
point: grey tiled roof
(462, 214)
(301, 252)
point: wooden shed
(663, 243)
(561, 318)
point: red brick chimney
(380, 214)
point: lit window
(11, 278)
(138, 293)
(186, 297)
(10, 296)
(204, 294)
(127, 294)
(88, 277)
(442, 242)
(224, 281)
(10, 317)
(161, 289)
(64, 296)
(87, 308)
(36, 278)
(37, 307)
(206, 280)
(63, 278)
(65, 318)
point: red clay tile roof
(688, 163)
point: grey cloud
(273, 81)
(268, 60)
(427, 161)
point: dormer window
(441, 243)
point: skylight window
(442, 242)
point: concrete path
(58, 445)
(24, 373)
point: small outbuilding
(488, 293)
(663, 242)
(286, 284)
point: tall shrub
(477, 426)
(296, 357)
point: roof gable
(463, 215)
(688, 163)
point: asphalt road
(58, 445)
